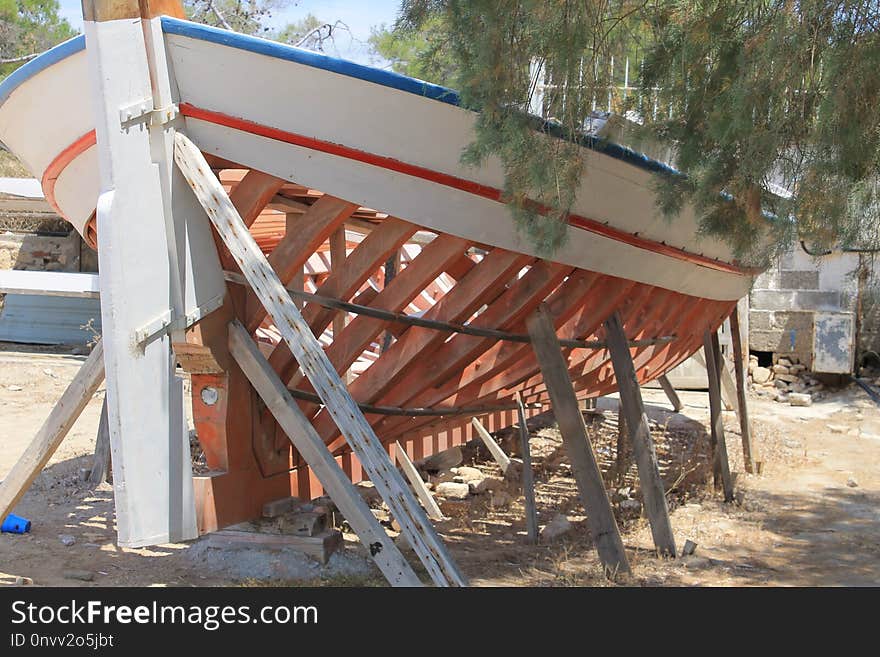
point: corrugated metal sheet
(41, 319)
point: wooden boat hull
(279, 124)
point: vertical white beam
(140, 288)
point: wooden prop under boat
(350, 180)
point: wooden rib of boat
(350, 180)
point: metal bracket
(134, 112)
(164, 324)
(164, 115)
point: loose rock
(66, 539)
(761, 375)
(557, 527)
(453, 490)
(800, 399)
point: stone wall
(45, 252)
(786, 297)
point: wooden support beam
(502, 459)
(586, 471)
(528, 477)
(720, 464)
(671, 394)
(54, 429)
(300, 432)
(338, 255)
(292, 252)
(415, 526)
(101, 463)
(415, 479)
(633, 410)
(739, 361)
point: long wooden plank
(502, 459)
(671, 394)
(528, 478)
(632, 408)
(409, 469)
(739, 359)
(300, 432)
(586, 471)
(720, 464)
(308, 352)
(101, 462)
(54, 429)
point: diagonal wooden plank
(502, 459)
(586, 471)
(54, 429)
(415, 526)
(632, 408)
(739, 360)
(300, 432)
(720, 463)
(418, 485)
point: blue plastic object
(15, 525)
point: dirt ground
(811, 519)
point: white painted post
(140, 293)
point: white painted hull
(377, 123)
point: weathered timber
(633, 410)
(528, 478)
(720, 464)
(671, 394)
(586, 471)
(428, 501)
(101, 462)
(54, 429)
(502, 459)
(739, 358)
(301, 433)
(314, 362)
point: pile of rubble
(787, 381)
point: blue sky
(359, 15)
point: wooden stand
(739, 360)
(586, 471)
(633, 409)
(528, 477)
(314, 362)
(671, 394)
(720, 463)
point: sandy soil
(811, 518)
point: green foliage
(422, 53)
(495, 44)
(28, 27)
(771, 105)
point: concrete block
(787, 300)
(799, 280)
